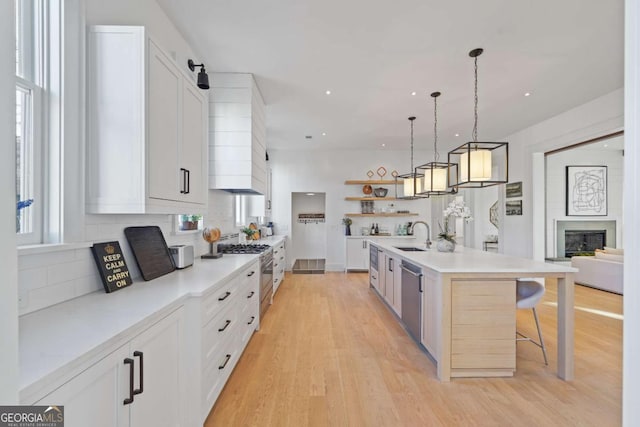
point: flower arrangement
(347, 221)
(455, 209)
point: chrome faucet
(428, 242)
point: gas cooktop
(242, 248)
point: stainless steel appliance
(242, 248)
(182, 255)
(266, 280)
(412, 299)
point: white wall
(631, 339)
(8, 258)
(49, 278)
(308, 240)
(326, 172)
(596, 118)
(556, 189)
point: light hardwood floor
(330, 353)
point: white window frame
(33, 80)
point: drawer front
(217, 372)
(217, 330)
(219, 300)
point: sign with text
(31, 416)
(111, 265)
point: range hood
(237, 135)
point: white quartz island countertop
(69, 334)
(468, 308)
(466, 260)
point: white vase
(443, 245)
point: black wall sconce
(203, 78)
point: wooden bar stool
(528, 294)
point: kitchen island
(468, 309)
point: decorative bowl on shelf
(380, 192)
(367, 189)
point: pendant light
(481, 164)
(410, 183)
(436, 174)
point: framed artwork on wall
(513, 207)
(514, 189)
(586, 190)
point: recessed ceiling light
(606, 145)
(328, 92)
(384, 145)
(324, 134)
(414, 93)
(527, 94)
(311, 194)
(457, 134)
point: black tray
(150, 251)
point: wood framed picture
(513, 207)
(586, 190)
(514, 189)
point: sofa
(603, 271)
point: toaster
(182, 255)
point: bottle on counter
(377, 229)
(373, 229)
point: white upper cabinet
(147, 127)
(237, 138)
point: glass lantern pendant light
(481, 164)
(411, 182)
(436, 182)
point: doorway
(309, 232)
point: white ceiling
(372, 54)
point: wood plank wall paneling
(330, 353)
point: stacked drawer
(279, 261)
(229, 318)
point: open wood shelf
(370, 182)
(382, 214)
(370, 198)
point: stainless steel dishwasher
(412, 299)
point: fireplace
(583, 242)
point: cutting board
(150, 251)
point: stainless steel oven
(266, 280)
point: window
(30, 92)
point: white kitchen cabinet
(237, 141)
(150, 364)
(147, 127)
(230, 315)
(279, 262)
(357, 254)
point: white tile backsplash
(50, 278)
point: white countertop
(78, 330)
(466, 260)
(375, 236)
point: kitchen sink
(409, 249)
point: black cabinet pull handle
(390, 264)
(226, 324)
(129, 400)
(252, 319)
(281, 258)
(250, 295)
(226, 295)
(226, 360)
(251, 274)
(141, 377)
(188, 182)
(183, 190)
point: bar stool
(528, 294)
